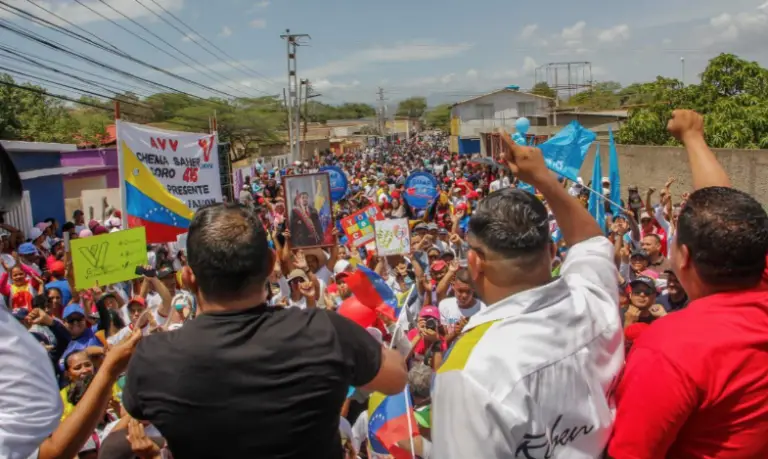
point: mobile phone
(140, 271)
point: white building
(472, 118)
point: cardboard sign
(392, 237)
(108, 258)
(359, 226)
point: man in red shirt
(696, 382)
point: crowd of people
(643, 336)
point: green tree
(413, 107)
(542, 89)
(601, 96)
(10, 101)
(732, 96)
(439, 117)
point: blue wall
(46, 193)
(469, 146)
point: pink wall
(106, 157)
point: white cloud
(575, 32)
(79, 15)
(325, 85)
(404, 52)
(666, 42)
(614, 34)
(225, 32)
(190, 37)
(447, 78)
(529, 65)
(598, 71)
(258, 6)
(218, 66)
(503, 75)
(471, 73)
(528, 31)
(764, 6)
(258, 23)
(738, 30)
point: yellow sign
(109, 258)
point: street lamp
(682, 64)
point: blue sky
(445, 49)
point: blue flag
(596, 200)
(565, 152)
(526, 187)
(613, 175)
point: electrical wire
(89, 104)
(26, 33)
(15, 56)
(159, 38)
(196, 34)
(32, 36)
(74, 25)
(69, 87)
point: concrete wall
(499, 109)
(652, 166)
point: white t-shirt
(30, 404)
(451, 313)
(494, 186)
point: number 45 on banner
(190, 175)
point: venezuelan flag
(149, 204)
(372, 291)
(390, 420)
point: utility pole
(294, 92)
(382, 111)
(307, 85)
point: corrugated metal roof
(499, 91)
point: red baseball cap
(429, 312)
(58, 268)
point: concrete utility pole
(294, 95)
(382, 111)
(308, 94)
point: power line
(70, 87)
(26, 33)
(73, 25)
(196, 34)
(79, 2)
(37, 60)
(10, 54)
(88, 104)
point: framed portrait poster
(309, 209)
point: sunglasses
(72, 320)
(647, 291)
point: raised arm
(527, 163)
(687, 126)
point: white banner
(186, 163)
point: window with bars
(526, 108)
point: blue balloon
(518, 138)
(421, 189)
(522, 125)
(338, 181)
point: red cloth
(420, 347)
(695, 384)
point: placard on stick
(392, 237)
(109, 258)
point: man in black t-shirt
(244, 379)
